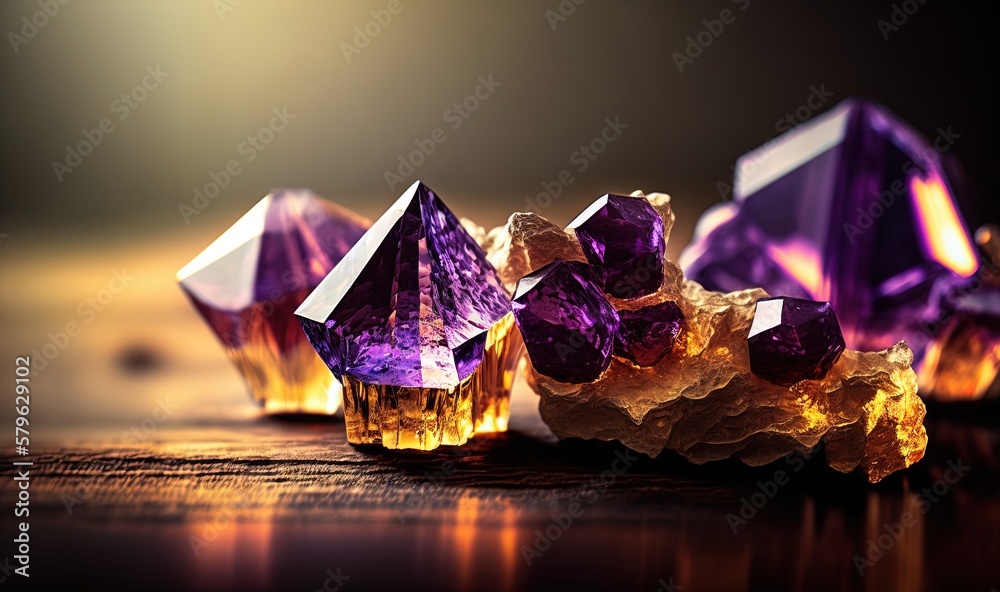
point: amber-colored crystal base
(494, 379)
(293, 381)
(425, 418)
(962, 362)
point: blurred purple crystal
(853, 207)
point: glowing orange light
(803, 264)
(465, 533)
(944, 237)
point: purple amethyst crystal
(272, 258)
(412, 302)
(647, 334)
(622, 238)
(248, 282)
(853, 207)
(793, 339)
(567, 324)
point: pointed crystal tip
(415, 323)
(411, 303)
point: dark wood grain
(278, 503)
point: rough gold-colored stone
(703, 401)
(962, 361)
(425, 418)
(528, 242)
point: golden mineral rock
(962, 361)
(525, 244)
(702, 400)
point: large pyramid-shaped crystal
(248, 283)
(416, 324)
(854, 208)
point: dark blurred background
(229, 63)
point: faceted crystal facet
(405, 320)
(622, 238)
(425, 418)
(793, 339)
(647, 334)
(853, 207)
(567, 324)
(248, 282)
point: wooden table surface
(272, 505)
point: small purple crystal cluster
(793, 339)
(570, 328)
